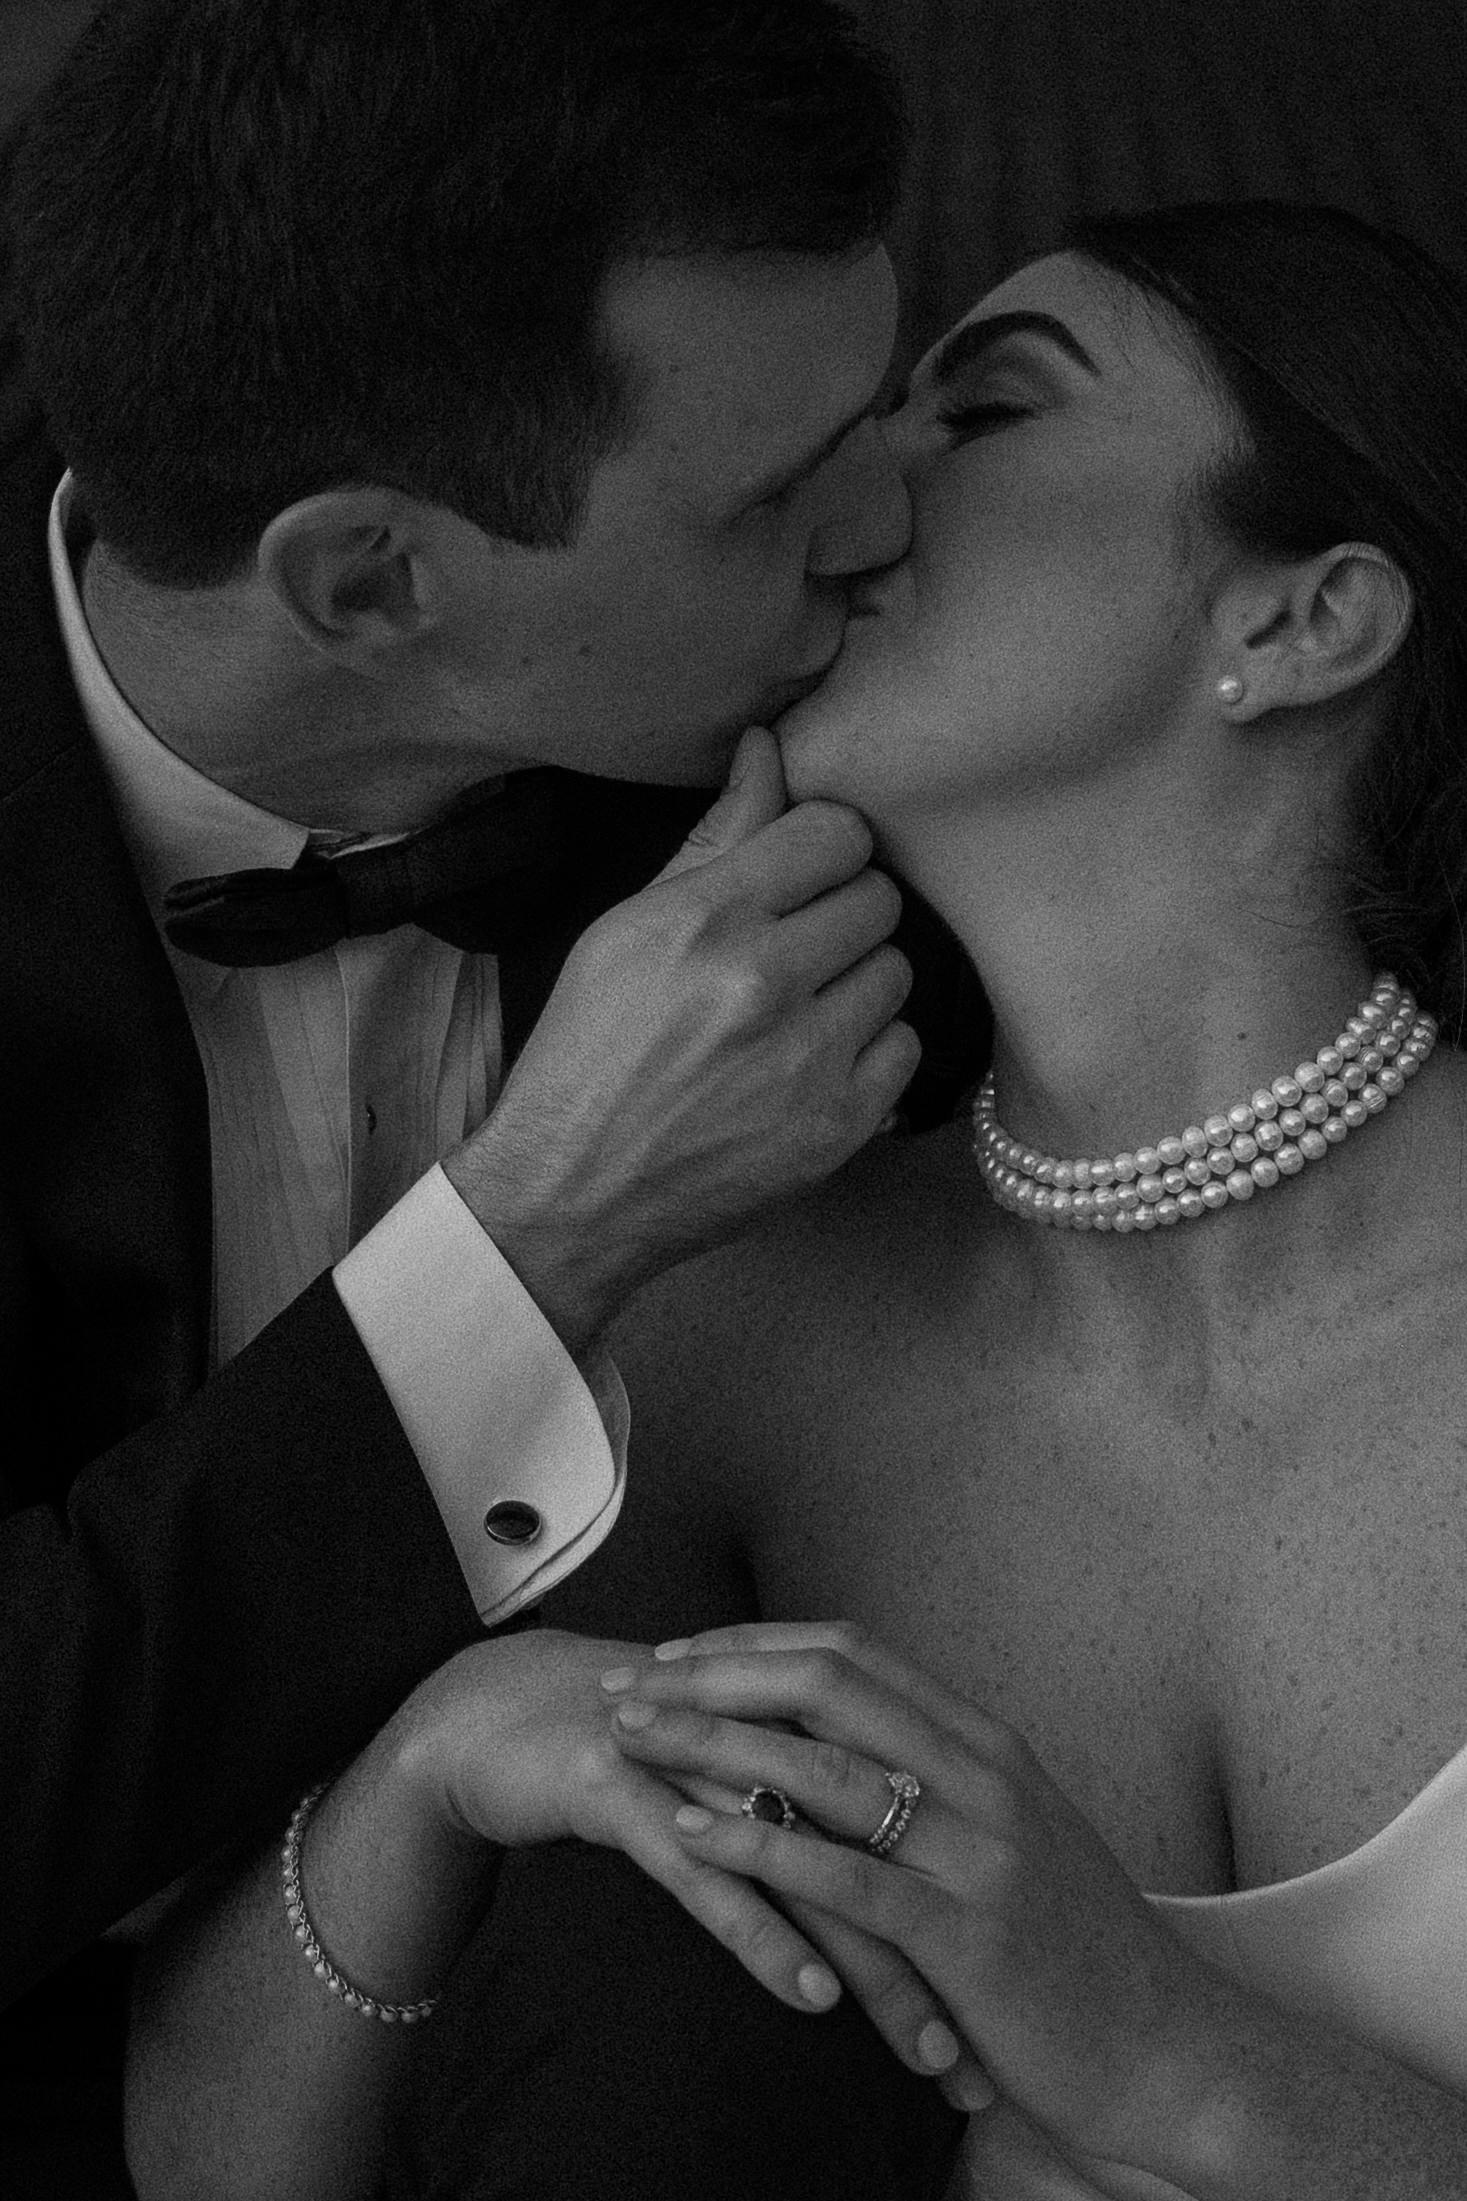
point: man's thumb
(754, 797)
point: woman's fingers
(842, 1791)
(903, 2009)
(694, 1790)
(967, 2086)
(931, 1697)
(759, 1635)
(877, 1898)
(770, 1949)
(819, 1689)
(901, 2006)
(852, 1647)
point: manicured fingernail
(938, 2046)
(635, 1715)
(617, 1678)
(693, 1819)
(678, 1648)
(972, 2090)
(819, 1987)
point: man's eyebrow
(798, 470)
(975, 339)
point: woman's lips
(789, 692)
(869, 597)
(874, 598)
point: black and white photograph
(691, 692)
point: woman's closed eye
(981, 420)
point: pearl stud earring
(1230, 688)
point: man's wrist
(564, 1268)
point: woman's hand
(1089, 2016)
(509, 1743)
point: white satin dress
(1374, 1943)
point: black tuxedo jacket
(209, 1591)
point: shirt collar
(176, 823)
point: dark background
(1030, 112)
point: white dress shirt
(335, 1083)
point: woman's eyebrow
(975, 339)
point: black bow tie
(481, 878)
(520, 873)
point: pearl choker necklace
(1226, 1157)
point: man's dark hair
(263, 248)
(1341, 350)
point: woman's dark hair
(1342, 350)
(267, 247)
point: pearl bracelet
(355, 1998)
(1227, 1157)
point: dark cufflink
(513, 1522)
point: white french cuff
(524, 1452)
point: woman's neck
(1142, 977)
(1136, 991)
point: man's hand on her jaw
(723, 1040)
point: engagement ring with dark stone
(771, 1805)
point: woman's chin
(814, 743)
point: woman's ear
(1306, 633)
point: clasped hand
(1086, 2012)
(510, 1743)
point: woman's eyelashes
(980, 420)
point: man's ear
(349, 568)
(1305, 633)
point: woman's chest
(1237, 1636)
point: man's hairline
(639, 374)
(635, 376)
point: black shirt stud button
(513, 1522)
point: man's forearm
(232, 1601)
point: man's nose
(870, 518)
